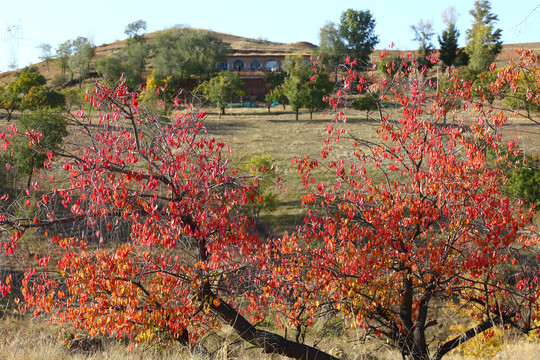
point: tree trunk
(469, 334)
(270, 343)
(297, 114)
(29, 182)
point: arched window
(272, 65)
(223, 66)
(255, 65)
(238, 65)
(286, 63)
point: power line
(526, 17)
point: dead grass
(28, 338)
(254, 132)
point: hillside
(244, 46)
(238, 44)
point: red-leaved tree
(148, 236)
(415, 223)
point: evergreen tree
(449, 40)
(483, 41)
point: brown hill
(238, 44)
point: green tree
(12, 95)
(133, 29)
(40, 97)
(221, 89)
(26, 79)
(524, 179)
(111, 67)
(276, 95)
(423, 32)
(9, 101)
(295, 85)
(63, 53)
(46, 53)
(262, 173)
(448, 41)
(130, 62)
(332, 47)
(366, 103)
(520, 98)
(74, 98)
(137, 55)
(27, 158)
(79, 61)
(273, 79)
(357, 28)
(181, 52)
(483, 40)
(274, 82)
(318, 87)
(391, 65)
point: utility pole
(12, 37)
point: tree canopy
(483, 40)
(295, 88)
(224, 87)
(134, 29)
(357, 29)
(181, 52)
(79, 61)
(448, 42)
(28, 92)
(332, 47)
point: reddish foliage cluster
(435, 226)
(165, 190)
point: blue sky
(287, 21)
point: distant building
(256, 63)
(252, 67)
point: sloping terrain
(238, 44)
(245, 46)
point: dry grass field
(28, 338)
(255, 132)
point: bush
(366, 103)
(59, 80)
